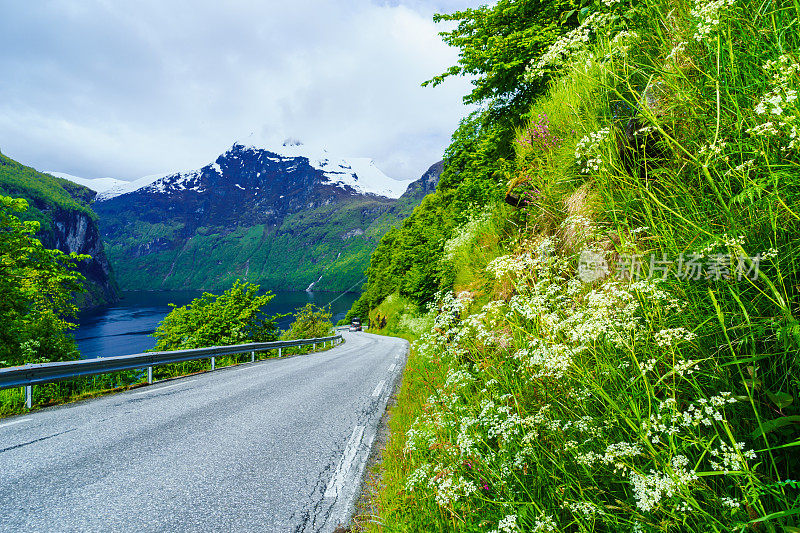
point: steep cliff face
(77, 232)
(67, 224)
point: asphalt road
(277, 445)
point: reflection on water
(124, 328)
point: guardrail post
(149, 375)
(280, 352)
(253, 356)
(213, 363)
(29, 396)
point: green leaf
(777, 423)
(752, 384)
(781, 399)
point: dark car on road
(355, 324)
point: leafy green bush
(36, 288)
(235, 317)
(310, 322)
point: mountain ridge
(287, 222)
(360, 174)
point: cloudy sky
(115, 88)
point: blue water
(125, 327)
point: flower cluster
(713, 150)
(668, 420)
(504, 265)
(778, 101)
(731, 458)
(677, 50)
(672, 336)
(613, 455)
(741, 169)
(709, 14)
(508, 524)
(544, 360)
(539, 135)
(587, 509)
(622, 42)
(587, 150)
(570, 45)
(650, 489)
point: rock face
(427, 183)
(78, 232)
(281, 218)
(67, 224)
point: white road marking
(249, 366)
(336, 483)
(19, 420)
(392, 367)
(378, 388)
(163, 388)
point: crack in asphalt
(36, 440)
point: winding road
(277, 445)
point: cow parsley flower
(710, 14)
(587, 151)
(671, 337)
(731, 457)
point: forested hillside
(605, 287)
(66, 221)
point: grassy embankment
(545, 395)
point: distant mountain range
(290, 217)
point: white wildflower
(731, 458)
(710, 14)
(672, 336)
(587, 151)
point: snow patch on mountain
(361, 174)
(129, 186)
(98, 185)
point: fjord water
(125, 327)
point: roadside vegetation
(237, 316)
(36, 288)
(604, 286)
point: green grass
(535, 401)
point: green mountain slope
(328, 246)
(67, 223)
(255, 215)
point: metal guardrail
(40, 373)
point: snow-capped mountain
(359, 175)
(284, 217)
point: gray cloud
(102, 88)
